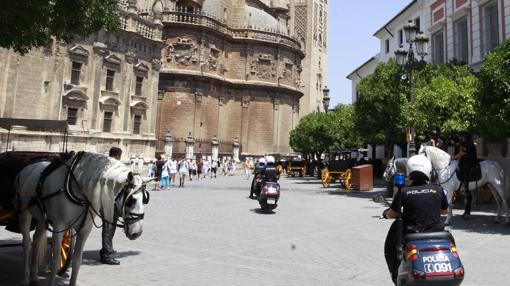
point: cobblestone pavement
(210, 233)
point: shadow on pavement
(260, 211)
(91, 257)
(479, 223)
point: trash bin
(363, 177)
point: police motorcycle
(426, 258)
(269, 193)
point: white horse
(492, 174)
(100, 183)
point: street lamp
(326, 99)
(406, 59)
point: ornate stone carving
(276, 103)
(142, 68)
(156, 64)
(79, 51)
(198, 96)
(113, 59)
(221, 100)
(212, 60)
(100, 48)
(131, 57)
(184, 52)
(287, 72)
(245, 103)
(263, 66)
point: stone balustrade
(200, 18)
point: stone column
(169, 143)
(235, 152)
(215, 148)
(189, 146)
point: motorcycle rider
(261, 164)
(422, 203)
(270, 172)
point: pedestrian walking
(172, 168)
(150, 169)
(183, 172)
(200, 167)
(214, 167)
(165, 176)
(159, 169)
(247, 169)
(192, 169)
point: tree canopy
(494, 94)
(379, 116)
(444, 99)
(25, 24)
(317, 133)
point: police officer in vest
(423, 204)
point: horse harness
(68, 191)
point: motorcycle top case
(433, 259)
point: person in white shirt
(173, 170)
(183, 171)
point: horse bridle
(127, 200)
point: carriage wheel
(326, 179)
(348, 180)
(66, 249)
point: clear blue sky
(351, 26)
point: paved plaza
(210, 233)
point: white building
(460, 30)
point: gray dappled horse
(101, 183)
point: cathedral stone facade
(231, 71)
(179, 76)
(105, 86)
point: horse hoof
(465, 216)
(447, 223)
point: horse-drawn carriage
(339, 169)
(296, 167)
(63, 193)
(11, 163)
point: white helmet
(262, 161)
(419, 163)
(269, 159)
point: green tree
(25, 24)
(343, 127)
(379, 116)
(312, 135)
(444, 100)
(494, 94)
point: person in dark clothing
(422, 204)
(270, 173)
(159, 169)
(465, 152)
(259, 167)
(108, 231)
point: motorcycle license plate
(438, 263)
(271, 201)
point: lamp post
(406, 59)
(326, 99)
